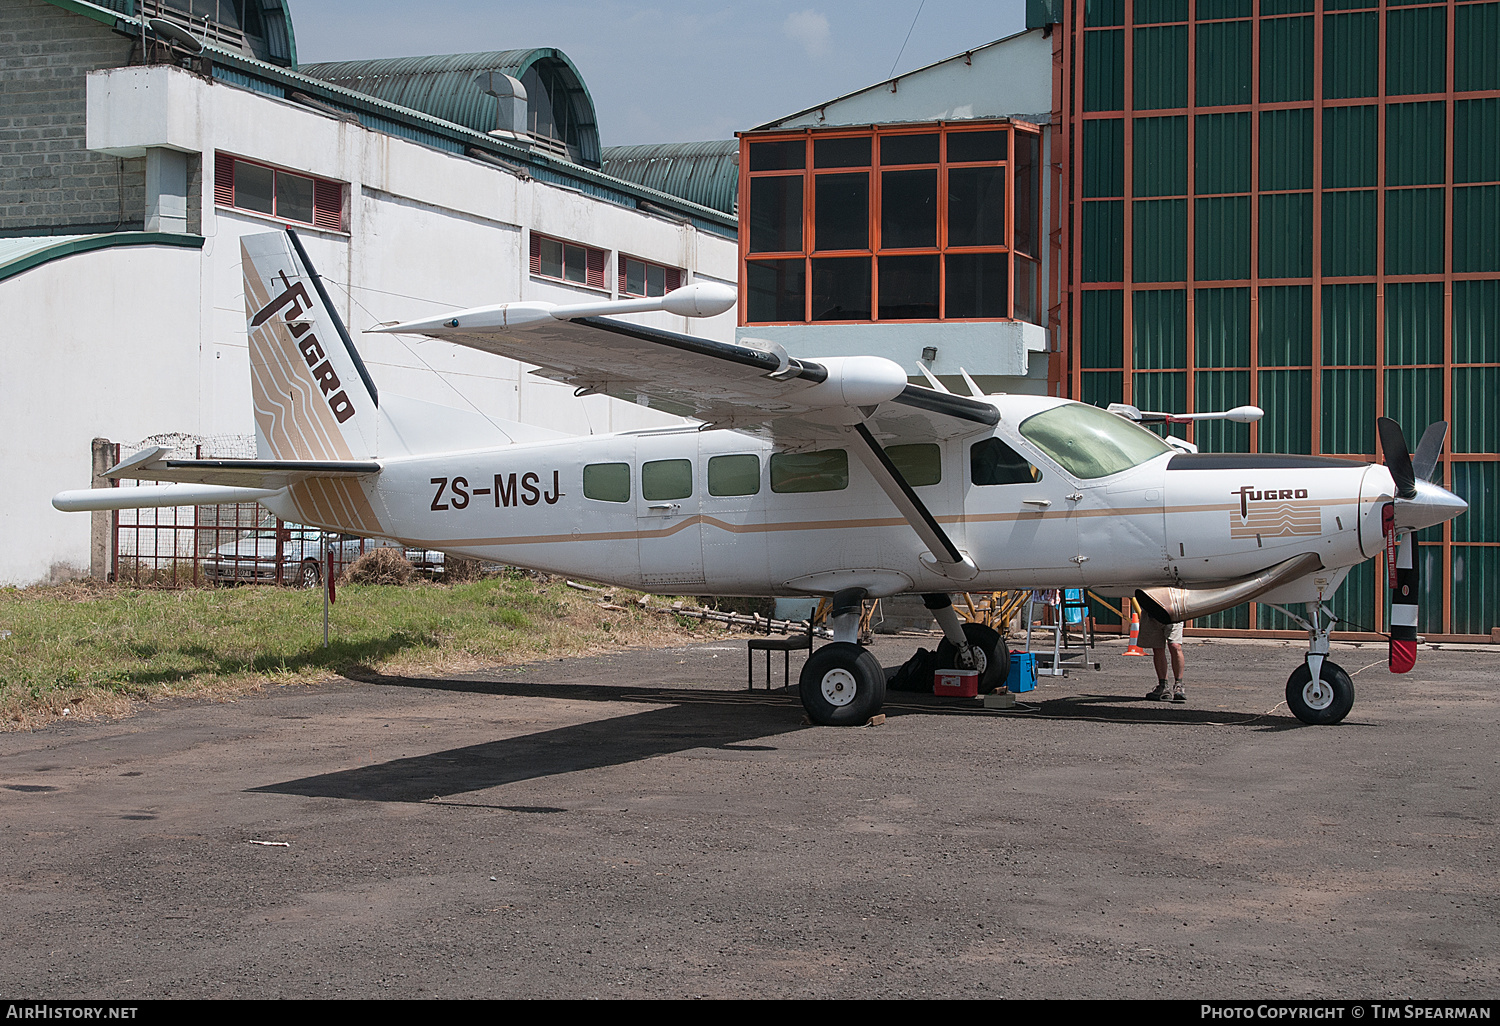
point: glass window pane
(776, 214)
(825, 471)
(845, 152)
(841, 289)
(909, 287)
(776, 290)
(977, 285)
(992, 462)
(1028, 193)
(635, 277)
(921, 464)
(608, 482)
(294, 197)
(787, 155)
(734, 475)
(843, 212)
(666, 479)
(976, 206)
(970, 146)
(575, 264)
(1087, 442)
(656, 280)
(252, 187)
(909, 149)
(1028, 301)
(908, 209)
(552, 258)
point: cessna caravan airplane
(830, 477)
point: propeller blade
(1429, 449)
(1403, 647)
(1397, 458)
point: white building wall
(1009, 78)
(144, 340)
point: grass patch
(95, 650)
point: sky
(674, 71)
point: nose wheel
(1318, 692)
(842, 684)
(1320, 702)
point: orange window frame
(808, 175)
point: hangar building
(1290, 203)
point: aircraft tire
(309, 576)
(996, 656)
(1324, 706)
(842, 685)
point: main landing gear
(1318, 692)
(842, 684)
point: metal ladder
(1069, 646)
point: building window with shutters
(643, 278)
(285, 195)
(568, 261)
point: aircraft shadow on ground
(680, 719)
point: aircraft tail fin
(314, 399)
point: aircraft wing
(150, 465)
(726, 385)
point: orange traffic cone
(1135, 632)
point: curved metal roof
(262, 28)
(444, 86)
(703, 172)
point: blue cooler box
(1022, 672)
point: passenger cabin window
(992, 462)
(607, 482)
(734, 475)
(823, 471)
(666, 479)
(920, 463)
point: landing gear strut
(969, 646)
(1318, 692)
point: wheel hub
(839, 687)
(1317, 695)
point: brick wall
(49, 183)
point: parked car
(252, 558)
(304, 551)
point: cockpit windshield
(1088, 442)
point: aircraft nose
(1432, 505)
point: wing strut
(946, 559)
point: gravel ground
(638, 825)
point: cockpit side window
(1088, 442)
(992, 462)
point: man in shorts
(1162, 638)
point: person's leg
(1153, 635)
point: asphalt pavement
(640, 825)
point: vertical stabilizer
(314, 399)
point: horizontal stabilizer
(148, 465)
(84, 500)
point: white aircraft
(829, 477)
